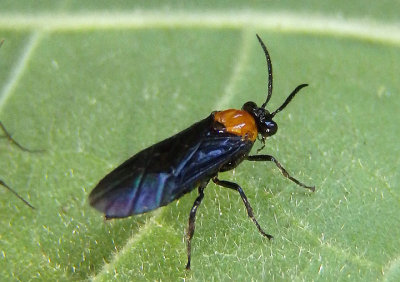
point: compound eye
(271, 128)
(249, 107)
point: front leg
(269, 158)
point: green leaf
(93, 88)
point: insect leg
(16, 194)
(192, 219)
(269, 158)
(8, 136)
(236, 187)
(12, 140)
(262, 140)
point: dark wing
(165, 171)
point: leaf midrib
(282, 21)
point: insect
(175, 166)
(8, 136)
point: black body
(169, 169)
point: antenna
(288, 99)
(269, 64)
